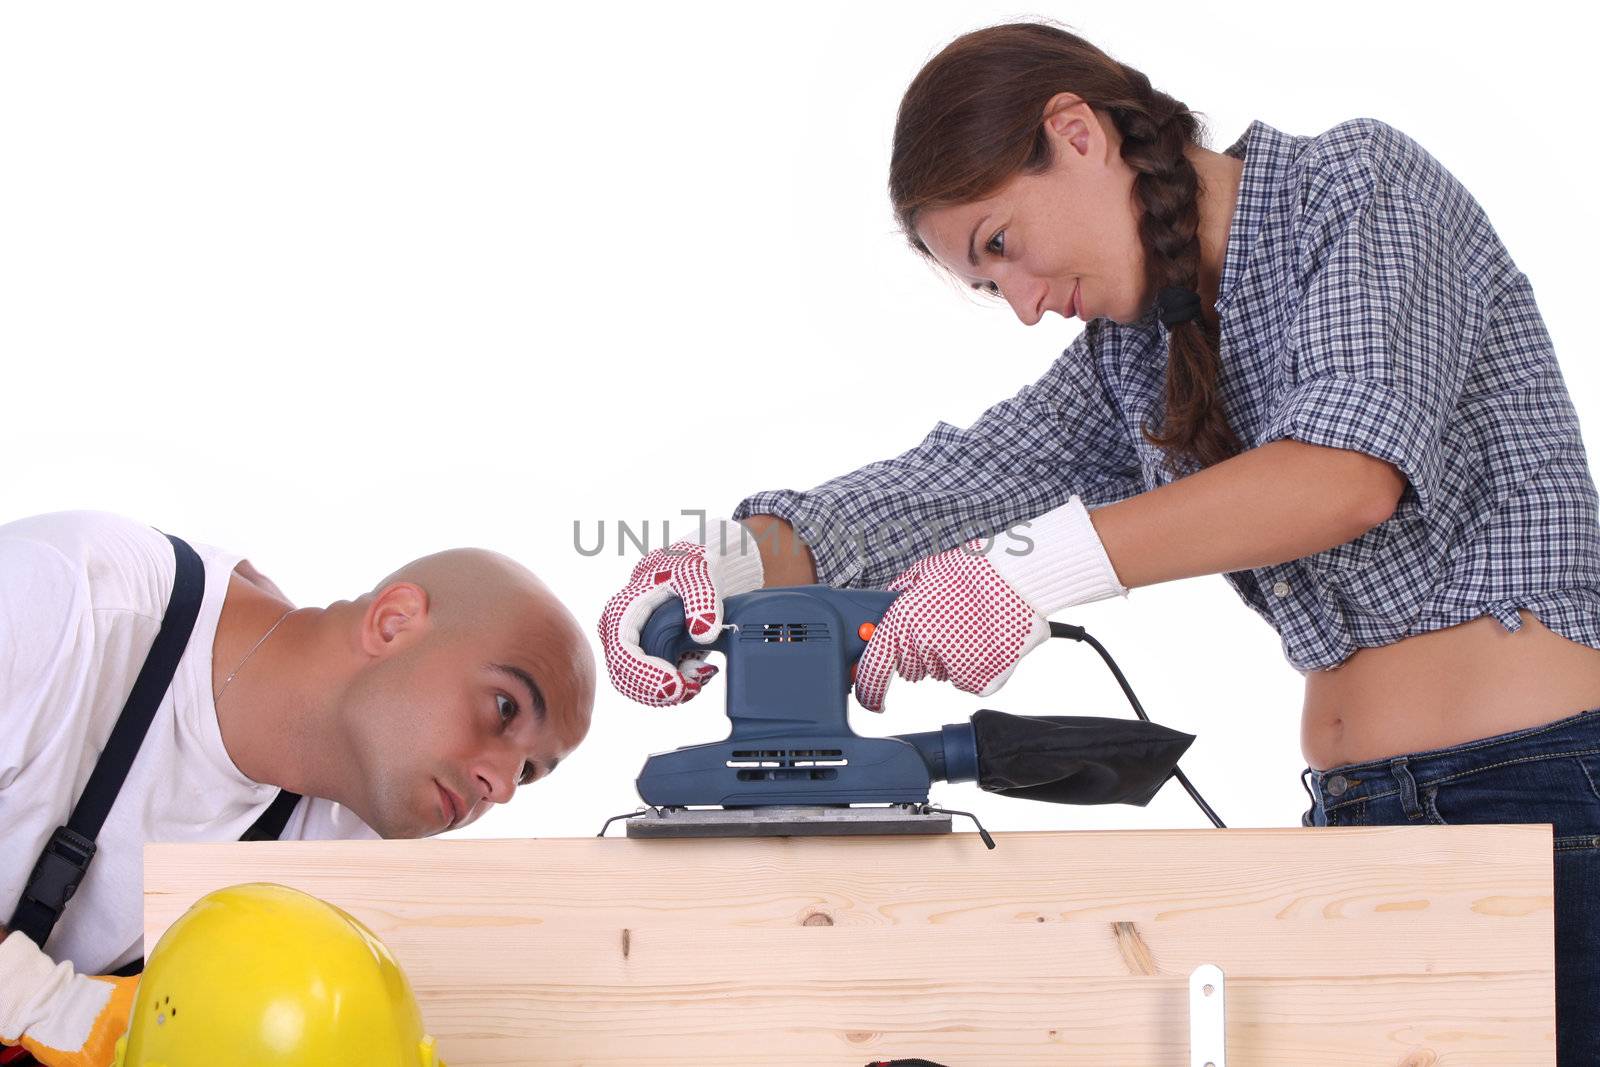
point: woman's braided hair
(973, 118)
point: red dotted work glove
(969, 614)
(727, 564)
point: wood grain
(1389, 945)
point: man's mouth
(451, 804)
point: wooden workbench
(1395, 945)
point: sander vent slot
(785, 632)
(786, 775)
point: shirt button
(1337, 785)
(1280, 588)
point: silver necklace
(229, 680)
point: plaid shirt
(1365, 303)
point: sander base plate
(795, 821)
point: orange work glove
(63, 1018)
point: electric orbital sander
(791, 765)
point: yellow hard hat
(262, 975)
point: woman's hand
(955, 620)
(969, 614)
(701, 574)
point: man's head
(471, 678)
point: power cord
(1078, 633)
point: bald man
(403, 712)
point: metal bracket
(1207, 1017)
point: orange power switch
(866, 630)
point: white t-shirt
(82, 595)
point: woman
(1362, 425)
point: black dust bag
(1075, 759)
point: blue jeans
(1548, 774)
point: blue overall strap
(66, 857)
(272, 821)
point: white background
(339, 284)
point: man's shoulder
(72, 563)
(121, 564)
(126, 564)
(76, 525)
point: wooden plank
(1385, 945)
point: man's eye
(528, 774)
(997, 244)
(508, 707)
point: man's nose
(497, 781)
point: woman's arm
(1061, 435)
(785, 559)
(1279, 502)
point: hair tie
(1177, 304)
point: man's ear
(396, 616)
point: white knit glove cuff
(732, 556)
(29, 980)
(1067, 565)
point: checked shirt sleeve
(1385, 332)
(1024, 456)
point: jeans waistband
(1344, 784)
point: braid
(1155, 131)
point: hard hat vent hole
(163, 1009)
